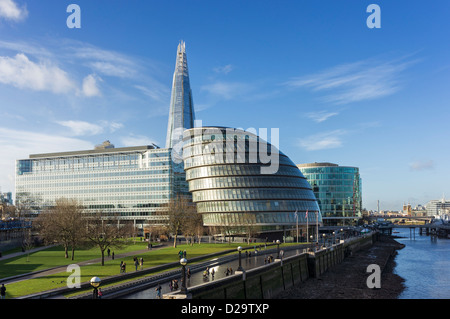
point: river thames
(424, 264)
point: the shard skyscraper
(181, 116)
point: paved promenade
(55, 270)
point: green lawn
(55, 257)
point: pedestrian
(141, 262)
(121, 267)
(100, 293)
(189, 273)
(212, 272)
(112, 256)
(3, 291)
(124, 267)
(158, 291)
(109, 252)
(136, 263)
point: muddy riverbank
(348, 280)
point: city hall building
(237, 179)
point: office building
(438, 207)
(338, 192)
(231, 182)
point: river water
(424, 263)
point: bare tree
(64, 224)
(193, 224)
(248, 226)
(103, 230)
(178, 212)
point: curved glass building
(338, 191)
(238, 179)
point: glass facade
(135, 182)
(229, 187)
(181, 114)
(338, 191)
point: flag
(295, 214)
(306, 214)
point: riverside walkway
(132, 285)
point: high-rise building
(181, 114)
(438, 207)
(225, 171)
(338, 192)
(133, 182)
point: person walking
(158, 291)
(100, 293)
(141, 262)
(3, 291)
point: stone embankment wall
(269, 280)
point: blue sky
(337, 90)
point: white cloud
(9, 10)
(155, 91)
(224, 69)
(322, 141)
(82, 128)
(354, 82)
(90, 86)
(22, 73)
(227, 90)
(421, 165)
(321, 116)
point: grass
(54, 257)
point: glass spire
(181, 115)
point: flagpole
(296, 215)
(317, 227)
(307, 228)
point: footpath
(59, 269)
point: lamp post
(183, 262)
(324, 239)
(278, 249)
(240, 264)
(95, 283)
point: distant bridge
(424, 218)
(430, 228)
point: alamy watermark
(234, 146)
(374, 280)
(74, 280)
(74, 19)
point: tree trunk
(175, 241)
